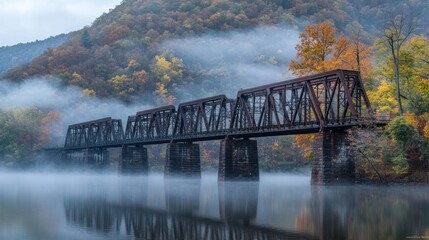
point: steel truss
(99, 133)
(333, 100)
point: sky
(24, 21)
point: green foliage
(419, 104)
(85, 40)
(400, 164)
(401, 131)
(413, 66)
(372, 150)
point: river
(279, 206)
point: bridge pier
(183, 159)
(134, 159)
(238, 160)
(332, 161)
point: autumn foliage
(321, 49)
(24, 131)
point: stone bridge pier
(183, 159)
(332, 161)
(238, 160)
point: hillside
(23, 53)
(124, 54)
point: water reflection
(182, 196)
(366, 212)
(48, 206)
(238, 202)
(181, 217)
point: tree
(358, 55)
(85, 40)
(168, 72)
(319, 50)
(22, 132)
(122, 87)
(396, 31)
(413, 68)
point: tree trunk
(398, 90)
(396, 65)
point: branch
(382, 180)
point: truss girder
(206, 116)
(151, 124)
(98, 133)
(331, 98)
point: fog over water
(110, 206)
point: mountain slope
(23, 53)
(120, 55)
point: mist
(227, 62)
(53, 95)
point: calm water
(92, 206)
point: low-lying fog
(111, 206)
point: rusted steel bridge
(326, 103)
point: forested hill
(23, 53)
(120, 55)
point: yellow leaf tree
(122, 87)
(168, 72)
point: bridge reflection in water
(207, 209)
(181, 218)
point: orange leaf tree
(321, 49)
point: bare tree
(396, 31)
(357, 37)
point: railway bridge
(325, 104)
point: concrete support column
(238, 160)
(182, 159)
(332, 162)
(134, 159)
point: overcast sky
(24, 21)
